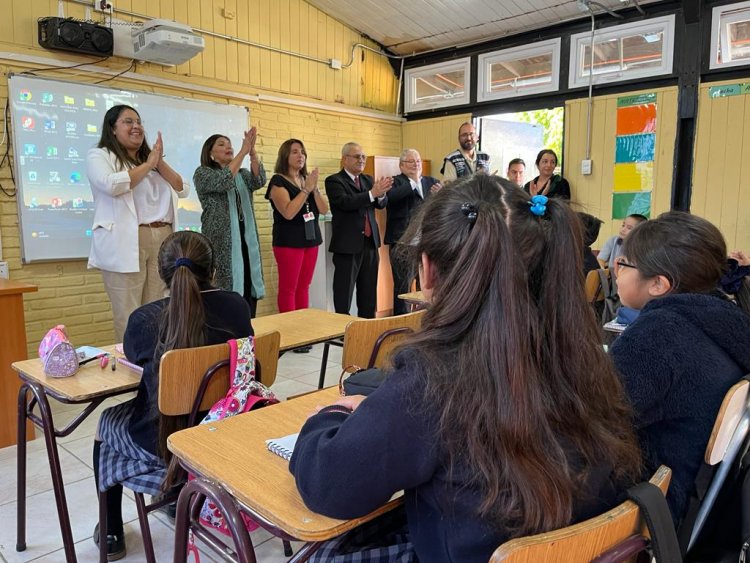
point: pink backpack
(58, 356)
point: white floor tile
(38, 477)
(43, 535)
(284, 389)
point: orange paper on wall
(636, 119)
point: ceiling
(408, 27)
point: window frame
(413, 74)
(665, 24)
(718, 35)
(553, 46)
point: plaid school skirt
(121, 460)
(385, 539)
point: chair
(191, 381)
(621, 528)
(594, 290)
(368, 343)
(730, 430)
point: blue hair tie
(538, 204)
(184, 262)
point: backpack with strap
(245, 394)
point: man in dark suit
(355, 239)
(410, 190)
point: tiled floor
(297, 373)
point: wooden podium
(12, 349)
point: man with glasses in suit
(410, 190)
(355, 239)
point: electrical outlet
(4, 270)
(586, 167)
(103, 6)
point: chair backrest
(180, 375)
(267, 356)
(369, 342)
(594, 290)
(181, 372)
(583, 541)
(729, 433)
(726, 422)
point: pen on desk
(114, 363)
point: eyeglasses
(412, 161)
(130, 122)
(357, 156)
(620, 264)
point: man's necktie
(368, 228)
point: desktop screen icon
(25, 95)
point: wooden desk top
(303, 327)
(416, 297)
(8, 287)
(90, 382)
(233, 453)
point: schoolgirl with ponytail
(501, 417)
(131, 438)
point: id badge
(309, 226)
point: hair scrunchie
(538, 204)
(184, 262)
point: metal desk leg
(323, 365)
(45, 421)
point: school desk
(91, 385)
(230, 459)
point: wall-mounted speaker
(76, 36)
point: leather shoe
(115, 545)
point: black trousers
(360, 271)
(403, 275)
(247, 291)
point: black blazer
(348, 207)
(403, 202)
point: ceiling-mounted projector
(166, 42)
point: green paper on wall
(627, 204)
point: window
(519, 71)
(439, 85)
(730, 35)
(623, 52)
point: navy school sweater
(347, 465)
(677, 361)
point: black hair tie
(470, 210)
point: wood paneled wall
(593, 193)
(721, 191)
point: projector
(166, 42)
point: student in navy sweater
(503, 416)
(688, 346)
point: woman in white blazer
(135, 209)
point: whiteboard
(55, 123)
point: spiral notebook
(283, 447)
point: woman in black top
(548, 183)
(297, 203)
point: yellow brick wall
(69, 293)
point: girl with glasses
(687, 347)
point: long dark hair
(511, 353)
(687, 250)
(109, 141)
(186, 264)
(282, 161)
(208, 146)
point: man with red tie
(355, 239)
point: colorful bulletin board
(635, 148)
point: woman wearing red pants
(297, 204)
